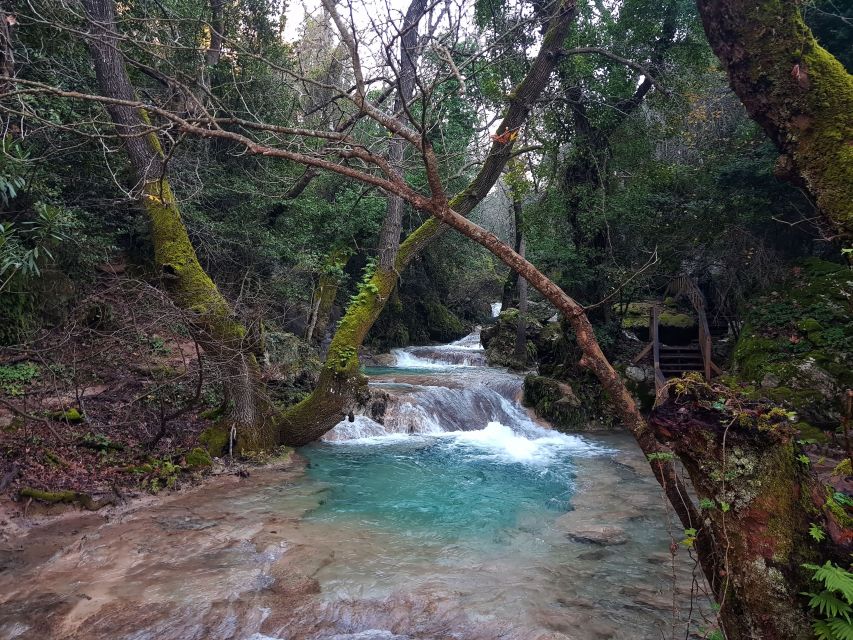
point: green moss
(801, 94)
(837, 510)
(52, 497)
(198, 458)
(54, 459)
(808, 325)
(810, 432)
(215, 440)
(443, 325)
(578, 406)
(676, 320)
(801, 335)
(213, 413)
(71, 415)
(362, 312)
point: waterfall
(433, 390)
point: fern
(829, 605)
(823, 631)
(833, 603)
(842, 628)
(834, 578)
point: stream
(446, 512)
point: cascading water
(445, 512)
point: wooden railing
(654, 321)
(705, 342)
(688, 287)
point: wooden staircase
(674, 361)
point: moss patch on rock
(796, 347)
(198, 458)
(215, 440)
(570, 407)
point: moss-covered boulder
(676, 324)
(215, 440)
(796, 347)
(418, 321)
(569, 407)
(198, 459)
(499, 340)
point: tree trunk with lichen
(340, 380)
(759, 501)
(325, 294)
(190, 288)
(797, 91)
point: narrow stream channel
(449, 513)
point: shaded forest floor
(109, 403)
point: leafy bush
(13, 378)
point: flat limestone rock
(598, 534)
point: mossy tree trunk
(190, 288)
(797, 91)
(325, 294)
(759, 503)
(340, 379)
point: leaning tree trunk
(190, 288)
(797, 91)
(521, 325)
(593, 359)
(340, 379)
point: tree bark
(340, 379)
(797, 91)
(510, 291)
(189, 287)
(521, 327)
(389, 234)
(744, 463)
(324, 296)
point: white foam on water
(471, 341)
(360, 428)
(407, 360)
(496, 309)
(502, 443)
(496, 441)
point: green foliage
(833, 602)
(816, 532)
(663, 456)
(707, 503)
(800, 333)
(843, 498)
(14, 378)
(157, 345)
(99, 442)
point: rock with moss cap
(796, 347)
